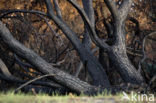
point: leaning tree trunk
(118, 56)
(41, 65)
(117, 49)
(123, 66)
(95, 69)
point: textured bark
(88, 8)
(118, 56)
(59, 76)
(95, 69)
(124, 67)
(116, 51)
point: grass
(10, 97)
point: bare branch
(113, 9)
(61, 77)
(33, 80)
(23, 11)
(88, 8)
(57, 8)
(42, 83)
(124, 8)
(63, 26)
(143, 50)
(117, 52)
(4, 69)
(9, 77)
(22, 63)
(80, 65)
(81, 49)
(92, 33)
(78, 69)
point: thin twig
(35, 79)
(143, 51)
(7, 12)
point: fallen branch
(6, 75)
(41, 65)
(35, 79)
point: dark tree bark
(116, 51)
(60, 77)
(94, 67)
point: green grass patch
(105, 97)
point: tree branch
(113, 9)
(57, 8)
(6, 12)
(9, 77)
(84, 52)
(60, 77)
(90, 28)
(63, 26)
(88, 8)
(124, 8)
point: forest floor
(42, 98)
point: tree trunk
(41, 65)
(94, 67)
(118, 56)
(124, 67)
(117, 49)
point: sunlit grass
(107, 97)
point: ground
(42, 98)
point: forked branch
(99, 42)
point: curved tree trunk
(117, 49)
(94, 67)
(41, 65)
(124, 67)
(118, 56)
